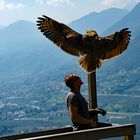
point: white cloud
(5, 5)
(56, 2)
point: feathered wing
(114, 44)
(63, 36)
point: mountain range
(25, 52)
(99, 21)
(122, 72)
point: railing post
(92, 92)
(129, 137)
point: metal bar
(92, 92)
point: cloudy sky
(62, 10)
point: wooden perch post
(92, 92)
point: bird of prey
(89, 47)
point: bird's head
(90, 33)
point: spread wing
(114, 44)
(60, 34)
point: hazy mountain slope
(131, 20)
(121, 74)
(98, 21)
(25, 51)
(131, 57)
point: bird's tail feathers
(89, 64)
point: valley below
(36, 113)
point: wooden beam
(37, 134)
(90, 134)
(92, 92)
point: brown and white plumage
(90, 47)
